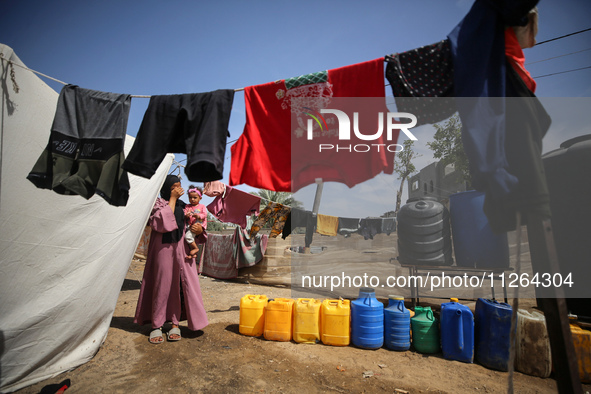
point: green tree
(213, 224)
(447, 146)
(404, 168)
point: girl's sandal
(156, 336)
(174, 331)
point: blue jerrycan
(367, 320)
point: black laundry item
(388, 225)
(422, 82)
(348, 226)
(85, 149)
(526, 124)
(370, 227)
(287, 228)
(195, 124)
(300, 218)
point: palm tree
(284, 198)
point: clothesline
(65, 83)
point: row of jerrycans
(364, 322)
(460, 335)
(305, 320)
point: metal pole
(316, 206)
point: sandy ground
(218, 359)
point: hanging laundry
(218, 257)
(275, 212)
(478, 55)
(388, 225)
(370, 227)
(348, 226)
(527, 124)
(422, 82)
(262, 155)
(235, 206)
(327, 225)
(224, 255)
(249, 252)
(85, 149)
(526, 35)
(214, 189)
(300, 218)
(195, 124)
(516, 58)
(480, 72)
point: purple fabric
(166, 267)
(235, 206)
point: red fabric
(261, 157)
(516, 58)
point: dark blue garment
(300, 218)
(478, 54)
(348, 226)
(370, 227)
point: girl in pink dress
(194, 213)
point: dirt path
(220, 360)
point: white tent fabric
(63, 259)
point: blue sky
(173, 47)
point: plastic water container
(492, 332)
(335, 322)
(457, 331)
(424, 233)
(582, 342)
(306, 320)
(571, 215)
(532, 345)
(252, 315)
(396, 324)
(425, 333)
(367, 320)
(475, 244)
(279, 320)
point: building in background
(438, 181)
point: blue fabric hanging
(478, 53)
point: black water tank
(568, 172)
(424, 233)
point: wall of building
(436, 180)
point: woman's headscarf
(175, 235)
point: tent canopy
(63, 259)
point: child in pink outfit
(195, 212)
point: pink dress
(201, 210)
(166, 267)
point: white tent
(63, 259)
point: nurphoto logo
(344, 130)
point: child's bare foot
(193, 253)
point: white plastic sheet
(63, 259)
